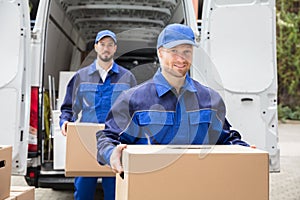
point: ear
(159, 53)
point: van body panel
(15, 80)
(248, 41)
(240, 39)
(38, 42)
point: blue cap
(176, 34)
(105, 33)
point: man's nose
(180, 56)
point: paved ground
(286, 184)
(283, 186)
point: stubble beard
(179, 73)
(105, 58)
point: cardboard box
(227, 172)
(21, 193)
(81, 151)
(5, 170)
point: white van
(41, 39)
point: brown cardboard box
(163, 172)
(5, 170)
(21, 193)
(81, 151)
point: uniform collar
(93, 68)
(162, 85)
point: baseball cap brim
(179, 42)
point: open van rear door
(15, 80)
(239, 37)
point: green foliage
(288, 57)
(285, 112)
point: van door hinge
(197, 37)
(33, 35)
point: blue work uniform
(153, 113)
(87, 93)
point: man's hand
(64, 128)
(115, 158)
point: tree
(288, 52)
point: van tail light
(33, 125)
(31, 174)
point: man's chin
(106, 59)
(180, 73)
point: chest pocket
(157, 125)
(117, 89)
(155, 117)
(199, 126)
(89, 94)
(206, 126)
(200, 117)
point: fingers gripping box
(5, 170)
(81, 152)
(193, 172)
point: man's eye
(174, 51)
(188, 53)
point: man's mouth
(179, 66)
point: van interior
(73, 25)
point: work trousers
(85, 188)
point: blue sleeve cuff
(108, 154)
(61, 122)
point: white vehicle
(237, 57)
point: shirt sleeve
(133, 81)
(227, 135)
(231, 137)
(67, 111)
(116, 122)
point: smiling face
(106, 49)
(176, 62)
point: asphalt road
(283, 186)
